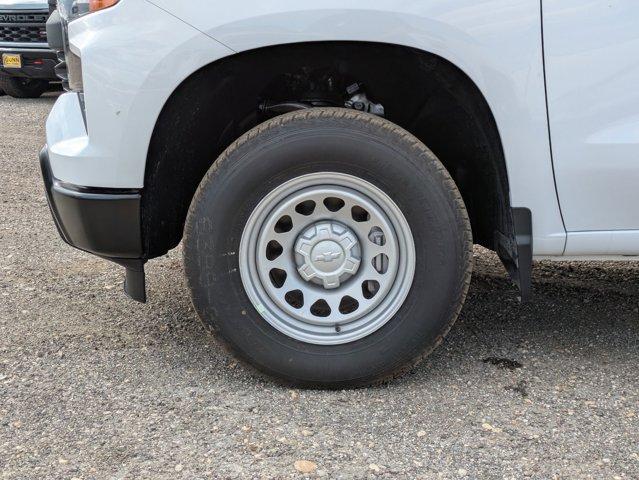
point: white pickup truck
(329, 165)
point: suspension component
(322, 93)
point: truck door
(591, 52)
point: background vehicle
(330, 168)
(26, 61)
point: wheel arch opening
(421, 92)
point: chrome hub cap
(327, 258)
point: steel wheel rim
(345, 243)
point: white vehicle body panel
(497, 43)
(137, 53)
(134, 56)
(605, 242)
(592, 73)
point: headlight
(70, 70)
(72, 9)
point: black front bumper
(36, 63)
(102, 221)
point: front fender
(497, 43)
(137, 53)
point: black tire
(349, 142)
(19, 87)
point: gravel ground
(93, 385)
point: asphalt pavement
(94, 385)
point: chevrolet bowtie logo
(327, 257)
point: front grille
(23, 34)
(23, 27)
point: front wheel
(19, 87)
(328, 248)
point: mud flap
(516, 251)
(135, 278)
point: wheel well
(421, 92)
